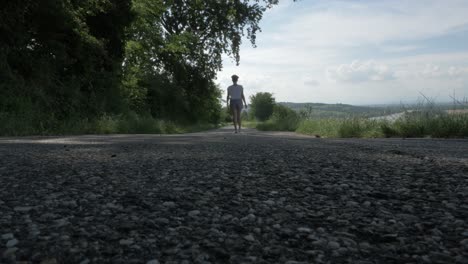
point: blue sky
(358, 52)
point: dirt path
(219, 197)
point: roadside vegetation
(128, 66)
(129, 123)
(422, 120)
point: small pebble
(8, 236)
(194, 213)
(162, 220)
(364, 245)
(169, 204)
(304, 230)
(333, 245)
(126, 242)
(352, 204)
(49, 261)
(11, 243)
(464, 242)
(23, 209)
(321, 230)
(249, 238)
(249, 217)
(86, 261)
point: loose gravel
(220, 197)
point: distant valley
(322, 110)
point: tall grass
(411, 125)
(343, 128)
(421, 124)
(423, 121)
(320, 127)
(130, 123)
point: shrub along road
(219, 197)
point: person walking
(235, 97)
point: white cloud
(436, 71)
(341, 23)
(306, 53)
(360, 72)
(311, 83)
(252, 81)
(399, 48)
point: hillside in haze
(322, 110)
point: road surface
(220, 197)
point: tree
(262, 105)
(175, 50)
(65, 60)
(61, 58)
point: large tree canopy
(81, 58)
(62, 56)
(175, 49)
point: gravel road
(219, 197)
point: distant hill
(321, 110)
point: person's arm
(227, 98)
(243, 98)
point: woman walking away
(235, 96)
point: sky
(357, 52)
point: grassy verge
(249, 124)
(282, 119)
(416, 124)
(421, 124)
(344, 128)
(108, 124)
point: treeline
(65, 61)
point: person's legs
(239, 111)
(234, 115)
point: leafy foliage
(60, 60)
(262, 105)
(67, 60)
(285, 118)
(175, 50)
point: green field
(346, 121)
(321, 110)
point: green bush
(285, 118)
(106, 125)
(133, 123)
(282, 119)
(262, 106)
(15, 125)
